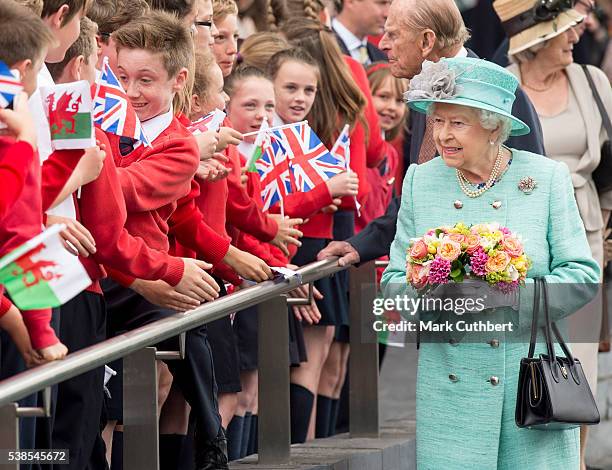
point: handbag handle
(602, 109)
(534, 318)
(555, 329)
(540, 285)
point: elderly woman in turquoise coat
(466, 391)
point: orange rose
(498, 262)
(449, 250)
(512, 246)
(472, 241)
(418, 250)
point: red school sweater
(210, 198)
(22, 222)
(153, 179)
(101, 209)
(15, 159)
(158, 183)
(246, 241)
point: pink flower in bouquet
(478, 261)
(458, 237)
(418, 275)
(418, 250)
(512, 246)
(498, 262)
(449, 250)
(505, 230)
(473, 243)
(439, 271)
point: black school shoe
(211, 455)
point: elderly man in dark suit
(415, 31)
(356, 19)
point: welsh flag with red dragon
(41, 273)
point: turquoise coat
(465, 419)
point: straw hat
(466, 81)
(530, 22)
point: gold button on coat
(453, 378)
(494, 343)
(494, 380)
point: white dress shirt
(352, 42)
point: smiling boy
(152, 55)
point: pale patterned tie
(363, 55)
(428, 147)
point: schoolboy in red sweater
(152, 53)
(84, 318)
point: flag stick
(282, 208)
(284, 126)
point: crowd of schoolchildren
(165, 227)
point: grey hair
(528, 54)
(491, 120)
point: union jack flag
(10, 86)
(342, 148)
(274, 172)
(342, 151)
(210, 122)
(113, 112)
(310, 161)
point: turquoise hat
(466, 81)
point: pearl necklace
(464, 182)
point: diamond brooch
(527, 184)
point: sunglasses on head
(546, 10)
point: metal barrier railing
(140, 372)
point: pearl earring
(491, 142)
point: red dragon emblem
(32, 271)
(61, 114)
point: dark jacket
(374, 53)
(375, 239)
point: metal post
(140, 416)
(9, 431)
(363, 359)
(274, 419)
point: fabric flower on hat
(435, 82)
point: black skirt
(224, 347)
(246, 327)
(344, 227)
(333, 306)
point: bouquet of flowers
(487, 252)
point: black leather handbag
(553, 392)
(602, 176)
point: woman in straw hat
(541, 55)
(466, 390)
